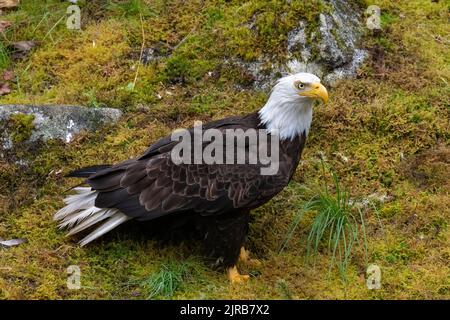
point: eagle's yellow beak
(317, 91)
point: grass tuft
(165, 282)
(5, 60)
(335, 224)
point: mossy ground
(391, 124)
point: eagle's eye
(300, 85)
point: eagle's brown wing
(152, 185)
(148, 189)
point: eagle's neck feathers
(290, 117)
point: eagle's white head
(289, 108)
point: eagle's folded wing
(150, 188)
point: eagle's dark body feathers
(215, 198)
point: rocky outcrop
(28, 124)
(329, 49)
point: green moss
(399, 254)
(22, 127)
(387, 178)
(177, 69)
(387, 19)
(202, 104)
(390, 210)
(132, 8)
(259, 29)
(284, 289)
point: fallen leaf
(21, 48)
(4, 89)
(8, 3)
(8, 75)
(4, 25)
(12, 242)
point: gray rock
(330, 51)
(348, 70)
(149, 55)
(153, 54)
(55, 121)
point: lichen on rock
(328, 48)
(28, 124)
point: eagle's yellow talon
(244, 257)
(235, 277)
(254, 262)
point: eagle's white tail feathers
(80, 213)
(80, 195)
(81, 201)
(88, 222)
(110, 224)
(71, 220)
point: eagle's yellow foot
(244, 257)
(235, 277)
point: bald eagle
(214, 197)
